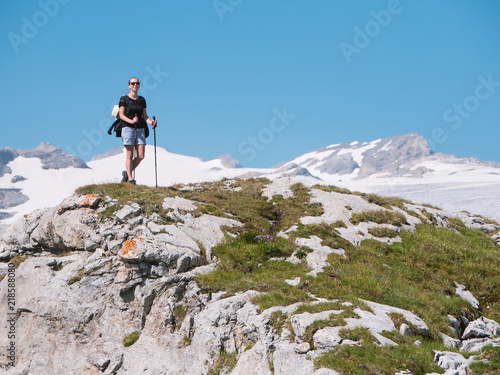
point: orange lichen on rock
(62, 209)
(89, 200)
(132, 250)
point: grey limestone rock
(466, 295)
(453, 363)
(482, 327)
(339, 164)
(476, 345)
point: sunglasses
(135, 83)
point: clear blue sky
(265, 81)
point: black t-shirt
(133, 107)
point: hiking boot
(132, 182)
(124, 176)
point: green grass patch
(225, 361)
(131, 339)
(370, 358)
(417, 274)
(380, 217)
(455, 223)
(331, 188)
(381, 232)
(386, 202)
(491, 355)
(250, 250)
(246, 263)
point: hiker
(134, 128)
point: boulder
(482, 327)
(454, 363)
(466, 295)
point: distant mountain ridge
(52, 157)
(403, 166)
(396, 156)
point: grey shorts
(128, 136)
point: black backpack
(117, 125)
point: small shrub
(302, 252)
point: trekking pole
(156, 169)
(134, 154)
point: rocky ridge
(98, 281)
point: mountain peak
(229, 161)
(395, 155)
(53, 157)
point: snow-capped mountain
(402, 166)
(400, 156)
